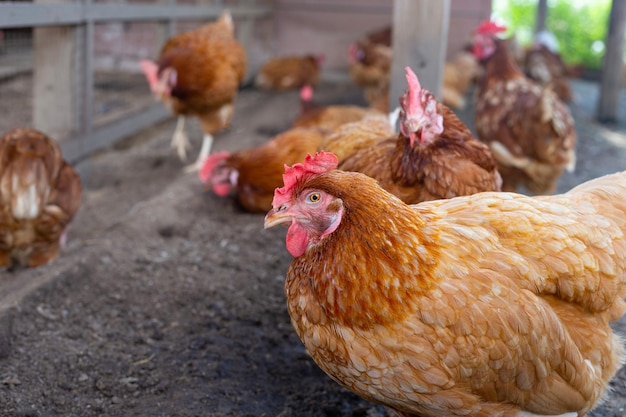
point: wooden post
(542, 13)
(611, 81)
(55, 92)
(420, 37)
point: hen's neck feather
(376, 262)
(501, 65)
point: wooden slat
(611, 82)
(420, 34)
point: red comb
(306, 93)
(313, 165)
(489, 27)
(209, 165)
(414, 90)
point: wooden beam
(611, 81)
(420, 37)
(542, 14)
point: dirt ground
(169, 301)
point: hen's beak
(277, 216)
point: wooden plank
(55, 73)
(420, 34)
(541, 15)
(14, 15)
(611, 81)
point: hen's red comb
(313, 165)
(414, 91)
(489, 27)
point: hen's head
(418, 112)
(312, 213)
(161, 80)
(484, 39)
(215, 174)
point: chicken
(328, 118)
(370, 66)
(198, 73)
(494, 304)
(530, 131)
(546, 67)
(434, 156)
(284, 73)
(255, 173)
(458, 74)
(39, 195)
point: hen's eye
(313, 198)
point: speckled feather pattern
(39, 195)
(529, 120)
(484, 305)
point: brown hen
(530, 131)
(494, 304)
(39, 195)
(434, 156)
(198, 73)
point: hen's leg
(180, 142)
(207, 142)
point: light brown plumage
(530, 131)
(288, 72)
(198, 73)
(39, 195)
(255, 173)
(442, 160)
(486, 305)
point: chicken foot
(207, 142)
(180, 142)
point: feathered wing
(481, 305)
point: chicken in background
(544, 65)
(39, 195)
(328, 118)
(494, 304)
(289, 72)
(370, 66)
(458, 75)
(434, 156)
(255, 173)
(528, 128)
(198, 73)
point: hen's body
(256, 172)
(39, 195)
(494, 304)
(289, 72)
(530, 131)
(448, 164)
(370, 66)
(547, 68)
(201, 71)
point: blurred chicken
(370, 64)
(198, 73)
(255, 173)
(328, 118)
(494, 304)
(39, 195)
(434, 156)
(289, 72)
(545, 67)
(458, 74)
(530, 131)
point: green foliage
(580, 26)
